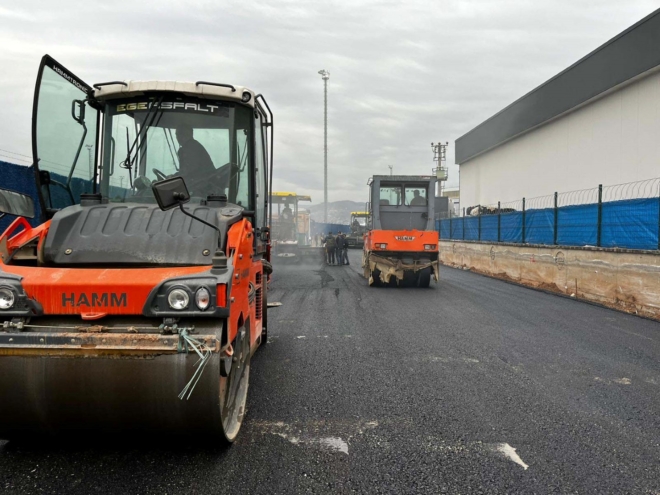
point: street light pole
(439, 156)
(325, 75)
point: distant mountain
(338, 211)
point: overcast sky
(403, 74)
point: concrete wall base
(626, 281)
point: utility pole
(440, 156)
(325, 75)
(391, 167)
(90, 159)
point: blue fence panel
(577, 225)
(20, 179)
(471, 228)
(511, 227)
(630, 223)
(489, 228)
(60, 196)
(539, 226)
(457, 228)
(444, 229)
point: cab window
(390, 195)
(415, 195)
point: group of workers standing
(336, 248)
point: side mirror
(170, 193)
(15, 203)
(80, 106)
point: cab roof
(279, 197)
(199, 89)
(403, 178)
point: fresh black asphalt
(386, 390)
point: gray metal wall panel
(627, 55)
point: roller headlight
(178, 299)
(202, 298)
(7, 298)
(429, 247)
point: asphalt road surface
(471, 386)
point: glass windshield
(359, 220)
(205, 142)
(66, 140)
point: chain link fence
(622, 216)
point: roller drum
(108, 394)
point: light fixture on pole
(325, 75)
(441, 171)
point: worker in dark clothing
(288, 224)
(343, 257)
(417, 199)
(195, 163)
(330, 246)
(339, 242)
(287, 213)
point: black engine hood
(136, 235)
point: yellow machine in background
(290, 227)
(359, 225)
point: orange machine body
(400, 241)
(94, 293)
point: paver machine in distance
(401, 248)
(290, 229)
(359, 226)
(138, 302)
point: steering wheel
(210, 184)
(159, 175)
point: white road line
(335, 443)
(510, 453)
(311, 433)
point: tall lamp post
(439, 156)
(325, 75)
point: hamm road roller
(401, 246)
(139, 299)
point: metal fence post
(451, 227)
(523, 222)
(499, 221)
(479, 222)
(554, 241)
(464, 223)
(600, 214)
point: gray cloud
(403, 74)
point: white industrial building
(597, 122)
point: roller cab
(136, 296)
(401, 246)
